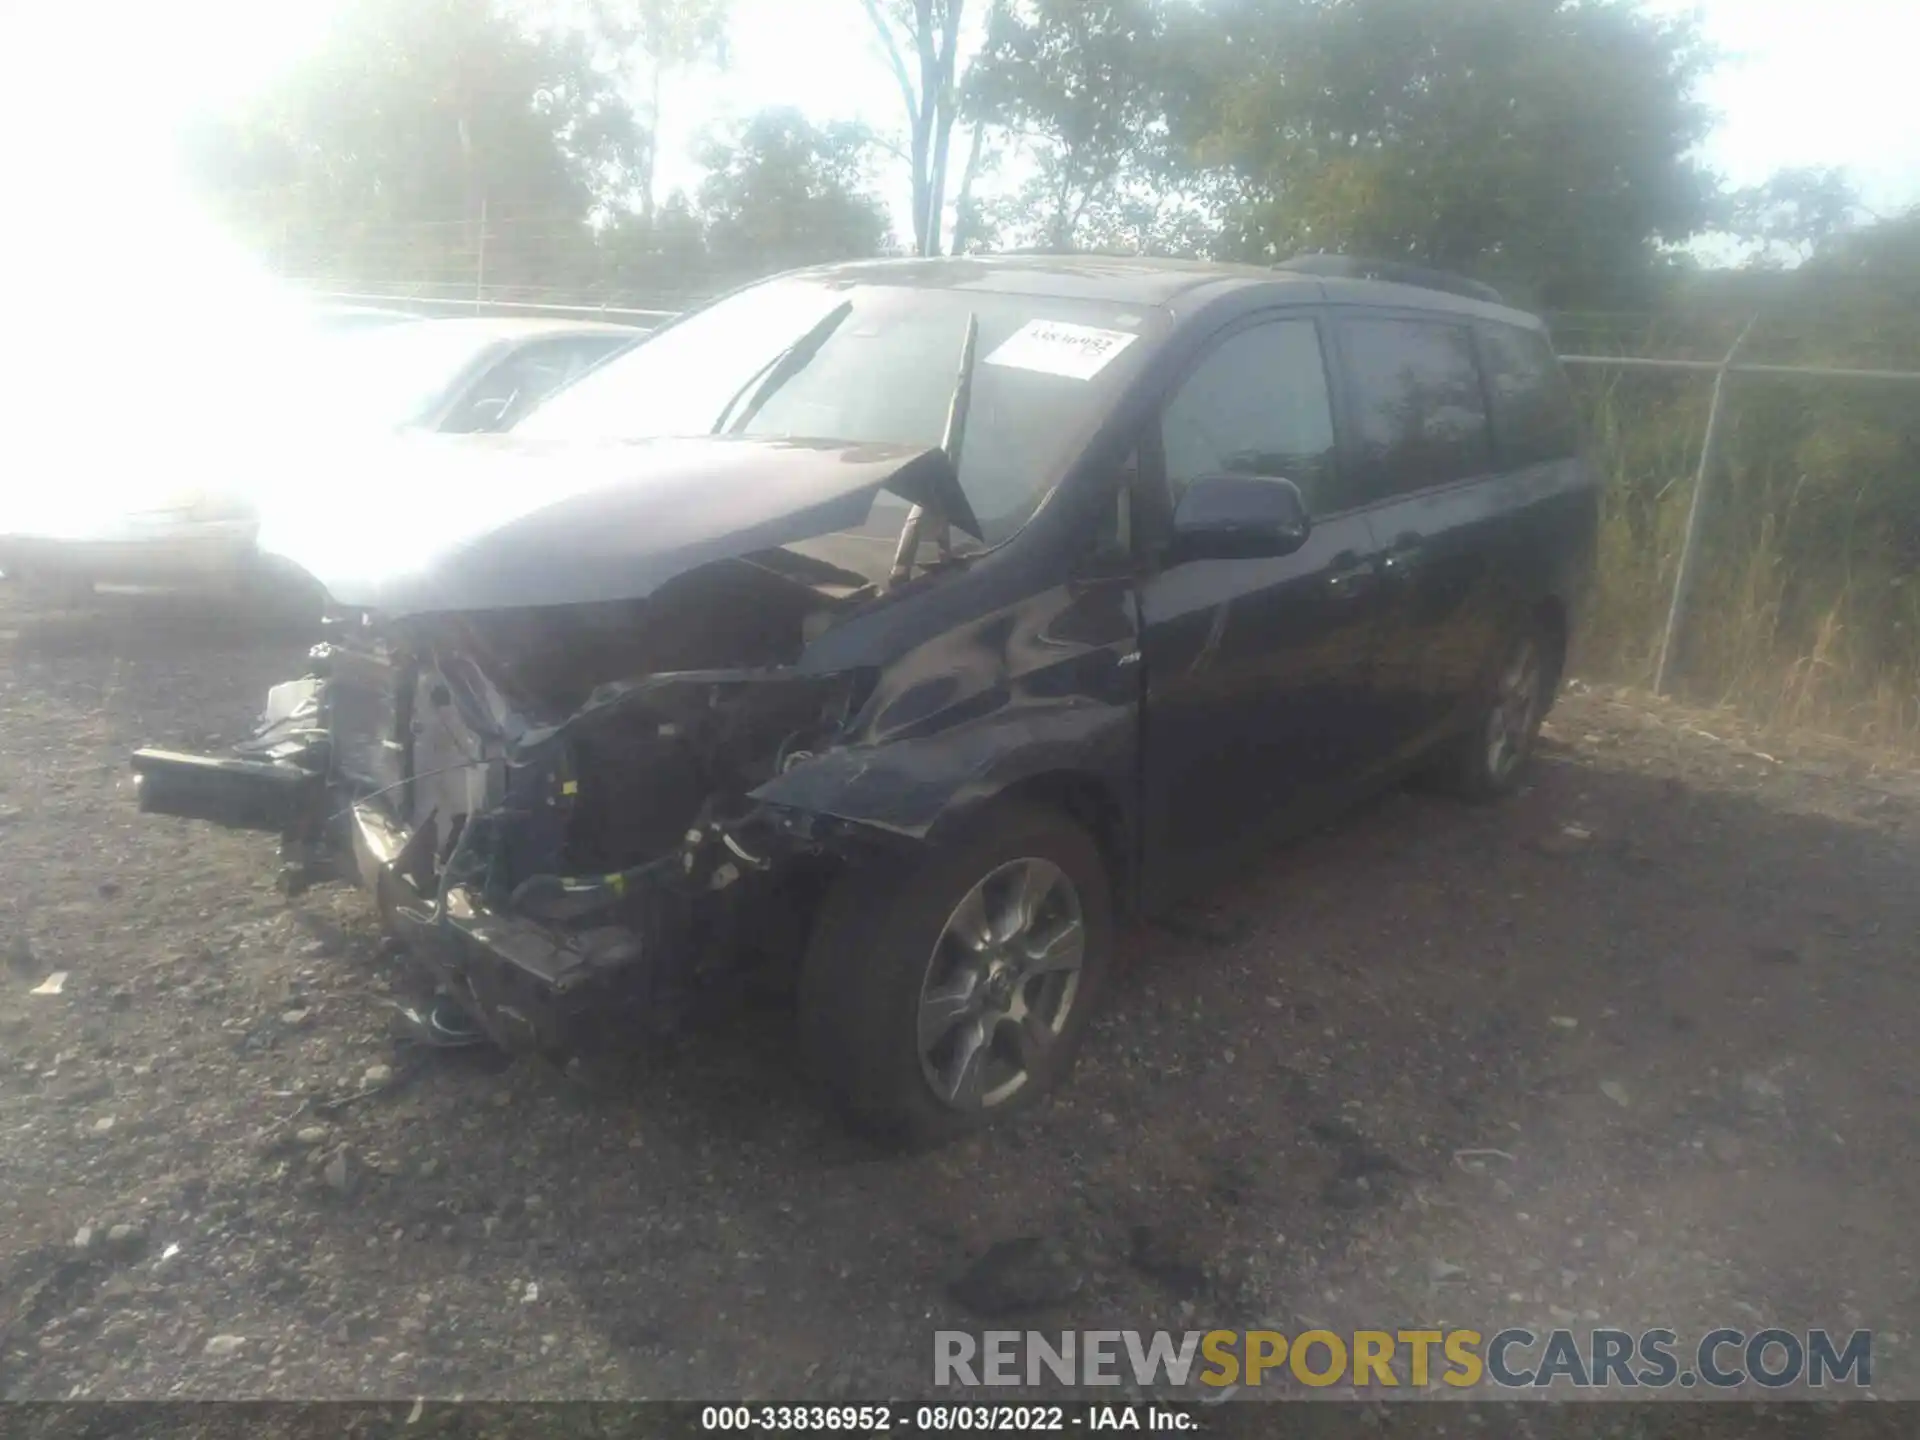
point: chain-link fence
(1761, 582)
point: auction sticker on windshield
(1054, 347)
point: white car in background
(159, 488)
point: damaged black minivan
(914, 621)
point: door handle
(1353, 581)
(1404, 556)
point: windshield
(387, 376)
(884, 373)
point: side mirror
(1239, 517)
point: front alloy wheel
(944, 990)
(1001, 984)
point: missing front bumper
(528, 985)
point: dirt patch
(1633, 1049)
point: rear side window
(1419, 412)
(1533, 417)
(1256, 405)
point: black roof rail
(1396, 272)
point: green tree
(921, 40)
(660, 38)
(784, 192)
(1794, 213)
(659, 261)
(378, 157)
(1077, 86)
(1533, 140)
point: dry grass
(1798, 618)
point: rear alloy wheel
(937, 998)
(1514, 720)
(1488, 761)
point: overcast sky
(1807, 82)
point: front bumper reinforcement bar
(525, 983)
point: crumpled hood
(422, 524)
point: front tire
(939, 997)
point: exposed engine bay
(554, 805)
(539, 747)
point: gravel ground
(1632, 1049)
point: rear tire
(938, 997)
(1489, 760)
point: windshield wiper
(957, 408)
(762, 384)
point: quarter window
(1419, 413)
(1257, 405)
(1533, 416)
